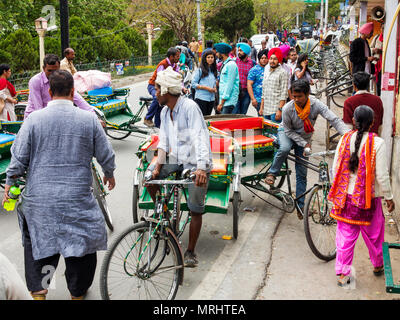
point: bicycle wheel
(335, 101)
(117, 134)
(182, 220)
(127, 274)
(101, 199)
(319, 227)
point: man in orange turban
(277, 52)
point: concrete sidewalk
(295, 273)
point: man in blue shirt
(228, 80)
(255, 79)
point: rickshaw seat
(221, 145)
(152, 143)
(219, 166)
(106, 91)
(6, 140)
(238, 124)
(256, 141)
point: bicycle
(318, 225)
(147, 258)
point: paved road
(269, 260)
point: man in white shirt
(292, 61)
(184, 144)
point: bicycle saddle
(147, 99)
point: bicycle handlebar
(188, 175)
(322, 153)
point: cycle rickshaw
(243, 149)
(116, 112)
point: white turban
(170, 81)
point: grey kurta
(55, 147)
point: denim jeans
(272, 118)
(227, 109)
(155, 108)
(243, 104)
(285, 145)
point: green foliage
(133, 39)
(111, 47)
(166, 40)
(214, 35)
(232, 18)
(19, 45)
(52, 44)
(82, 40)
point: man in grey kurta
(59, 214)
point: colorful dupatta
(358, 207)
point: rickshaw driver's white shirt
(186, 137)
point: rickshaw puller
(184, 138)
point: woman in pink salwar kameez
(361, 179)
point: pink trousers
(346, 238)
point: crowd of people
(232, 77)
(229, 79)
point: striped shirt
(244, 68)
(275, 89)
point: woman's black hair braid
(363, 116)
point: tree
(180, 16)
(20, 46)
(166, 40)
(82, 40)
(277, 14)
(134, 40)
(233, 18)
(111, 46)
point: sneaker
(148, 123)
(190, 259)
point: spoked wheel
(132, 271)
(319, 227)
(101, 200)
(183, 218)
(117, 134)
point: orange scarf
(303, 114)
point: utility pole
(199, 36)
(64, 25)
(326, 14)
(321, 22)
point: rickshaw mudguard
(180, 274)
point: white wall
(390, 66)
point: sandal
(343, 281)
(378, 271)
(38, 296)
(270, 179)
